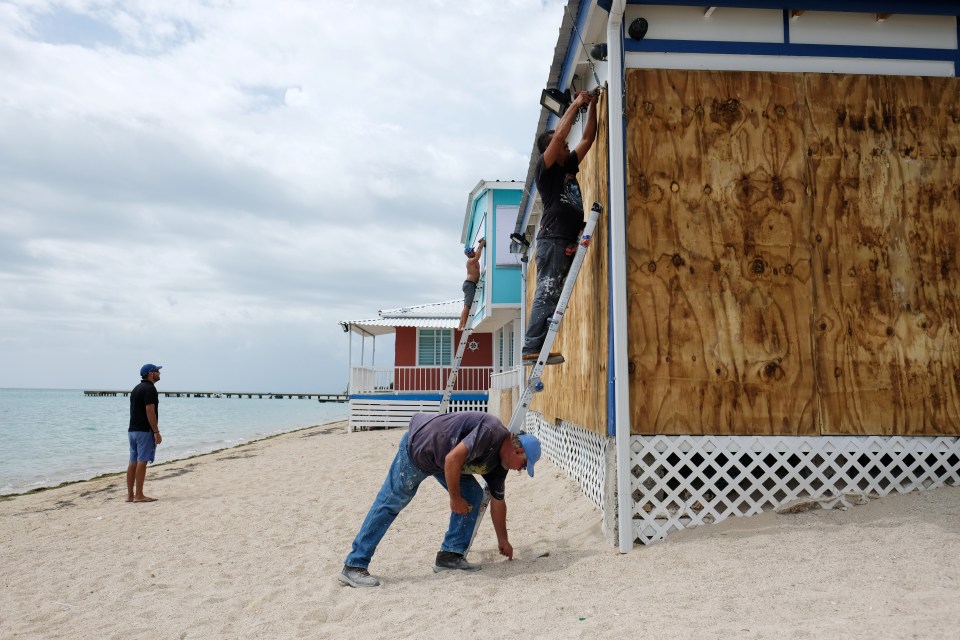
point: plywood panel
(719, 290)
(883, 157)
(577, 390)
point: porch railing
(366, 380)
(509, 379)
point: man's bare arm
(562, 129)
(589, 131)
(498, 514)
(152, 421)
(452, 470)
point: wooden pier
(321, 397)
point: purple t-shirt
(433, 436)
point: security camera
(638, 29)
(599, 51)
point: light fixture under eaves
(555, 101)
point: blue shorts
(142, 446)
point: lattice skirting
(396, 413)
(577, 451)
(686, 481)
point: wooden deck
(321, 397)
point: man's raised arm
(589, 131)
(559, 138)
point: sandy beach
(247, 543)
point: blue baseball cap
(147, 368)
(531, 447)
(467, 251)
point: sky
(213, 185)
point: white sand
(247, 543)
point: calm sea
(51, 436)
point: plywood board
(719, 288)
(577, 390)
(886, 222)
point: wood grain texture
(577, 389)
(792, 258)
(883, 156)
(718, 255)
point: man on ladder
(562, 220)
(473, 277)
(469, 303)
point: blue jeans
(398, 489)
(553, 264)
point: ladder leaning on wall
(534, 384)
(464, 339)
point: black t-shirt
(562, 201)
(433, 436)
(142, 395)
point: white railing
(509, 379)
(416, 379)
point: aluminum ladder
(534, 384)
(464, 339)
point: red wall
(405, 350)
(405, 355)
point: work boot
(553, 358)
(357, 577)
(450, 561)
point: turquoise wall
(503, 281)
(506, 279)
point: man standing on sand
(450, 447)
(144, 434)
(562, 220)
(470, 284)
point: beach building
(426, 335)
(769, 309)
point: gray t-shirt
(433, 436)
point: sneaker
(449, 561)
(553, 358)
(357, 577)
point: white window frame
(449, 334)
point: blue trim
(611, 356)
(956, 65)
(418, 396)
(573, 46)
(786, 26)
(563, 81)
(915, 7)
(789, 49)
(605, 4)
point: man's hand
(506, 549)
(482, 242)
(157, 438)
(459, 505)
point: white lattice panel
(686, 481)
(577, 451)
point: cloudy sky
(211, 185)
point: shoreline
(4, 497)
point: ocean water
(51, 436)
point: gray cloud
(215, 186)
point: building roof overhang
(436, 315)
